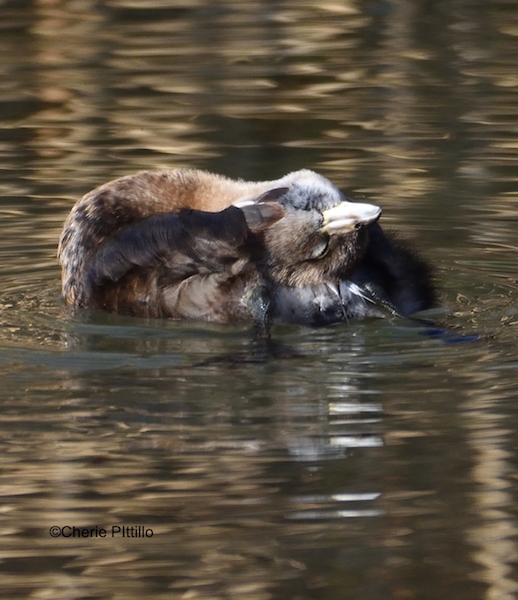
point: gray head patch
(311, 192)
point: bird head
(322, 235)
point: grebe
(188, 244)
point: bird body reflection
(188, 244)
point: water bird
(188, 244)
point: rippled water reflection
(366, 461)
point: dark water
(366, 461)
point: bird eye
(320, 249)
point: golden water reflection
(366, 462)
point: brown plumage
(193, 245)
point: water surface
(366, 461)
